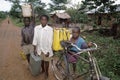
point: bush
(2, 15)
(108, 56)
(77, 16)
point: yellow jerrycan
(56, 39)
(59, 35)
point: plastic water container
(26, 10)
(35, 64)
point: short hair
(78, 28)
(46, 16)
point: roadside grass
(108, 54)
(1, 20)
(17, 22)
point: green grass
(108, 56)
(17, 22)
(1, 19)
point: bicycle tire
(94, 71)
(61, 70)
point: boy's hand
(90, 44)
(47, 55)
(35, 52)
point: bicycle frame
(90, 61)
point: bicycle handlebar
(67, 44)
(85, 50)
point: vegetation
(98, 7)
(58, 5)
(107, 56)
(3, 15)
(37, 6)
(77, 16)
(17, 22)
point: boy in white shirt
(42, 41)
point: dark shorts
(72, 58)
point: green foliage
(58, 5)
(3, 15)
(82, 26)
(17, 22)
(15, 11)
(117, 17)
(37, 6)
(98, 6)
(77, 16)
(108, 56)
(94, 4)
(94, 26)
(39, 10)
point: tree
(35, 5)
(98, 6)
(3, 15)
(77, 16)
(58, 4)
(15, 11)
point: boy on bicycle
(79, 42)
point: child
(78, 41)
(42, 42)
(27, 33)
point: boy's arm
(22, 41)
(84, 45)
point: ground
(12, 67)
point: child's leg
(74, 68)
(28, 58)
(42, 65)
(46, 68)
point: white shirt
(43, 38)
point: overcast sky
(6, 6)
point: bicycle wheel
(94, 69)
(61, 68)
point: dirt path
(12, 67)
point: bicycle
(61, 67)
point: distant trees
(94, 4)
(77, 16)
(37, 5)
(58, 5)
(3, 14)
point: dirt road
(12, 67)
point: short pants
(44, 58)
(71, 58)
(27, 49)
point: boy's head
(75, 32)
(26, 21)
(44, 19)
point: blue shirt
(80, 42)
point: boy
(43, 38)
(27, 37)
(78, 41)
